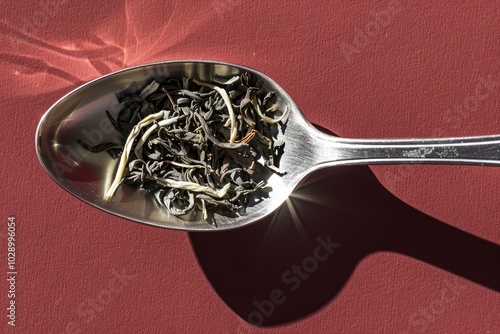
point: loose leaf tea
(197, 145)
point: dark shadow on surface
(351, 207)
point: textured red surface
(358, 69)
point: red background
(411, 75)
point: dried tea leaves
(197, 146)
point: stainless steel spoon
(81, 114)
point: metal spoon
(80, 114)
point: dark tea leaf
(197, 146)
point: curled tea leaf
(197, 146)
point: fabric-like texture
(346, 255)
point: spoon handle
(481, 150)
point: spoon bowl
(81, 115)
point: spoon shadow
(292, 263)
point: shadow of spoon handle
(448, 248)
